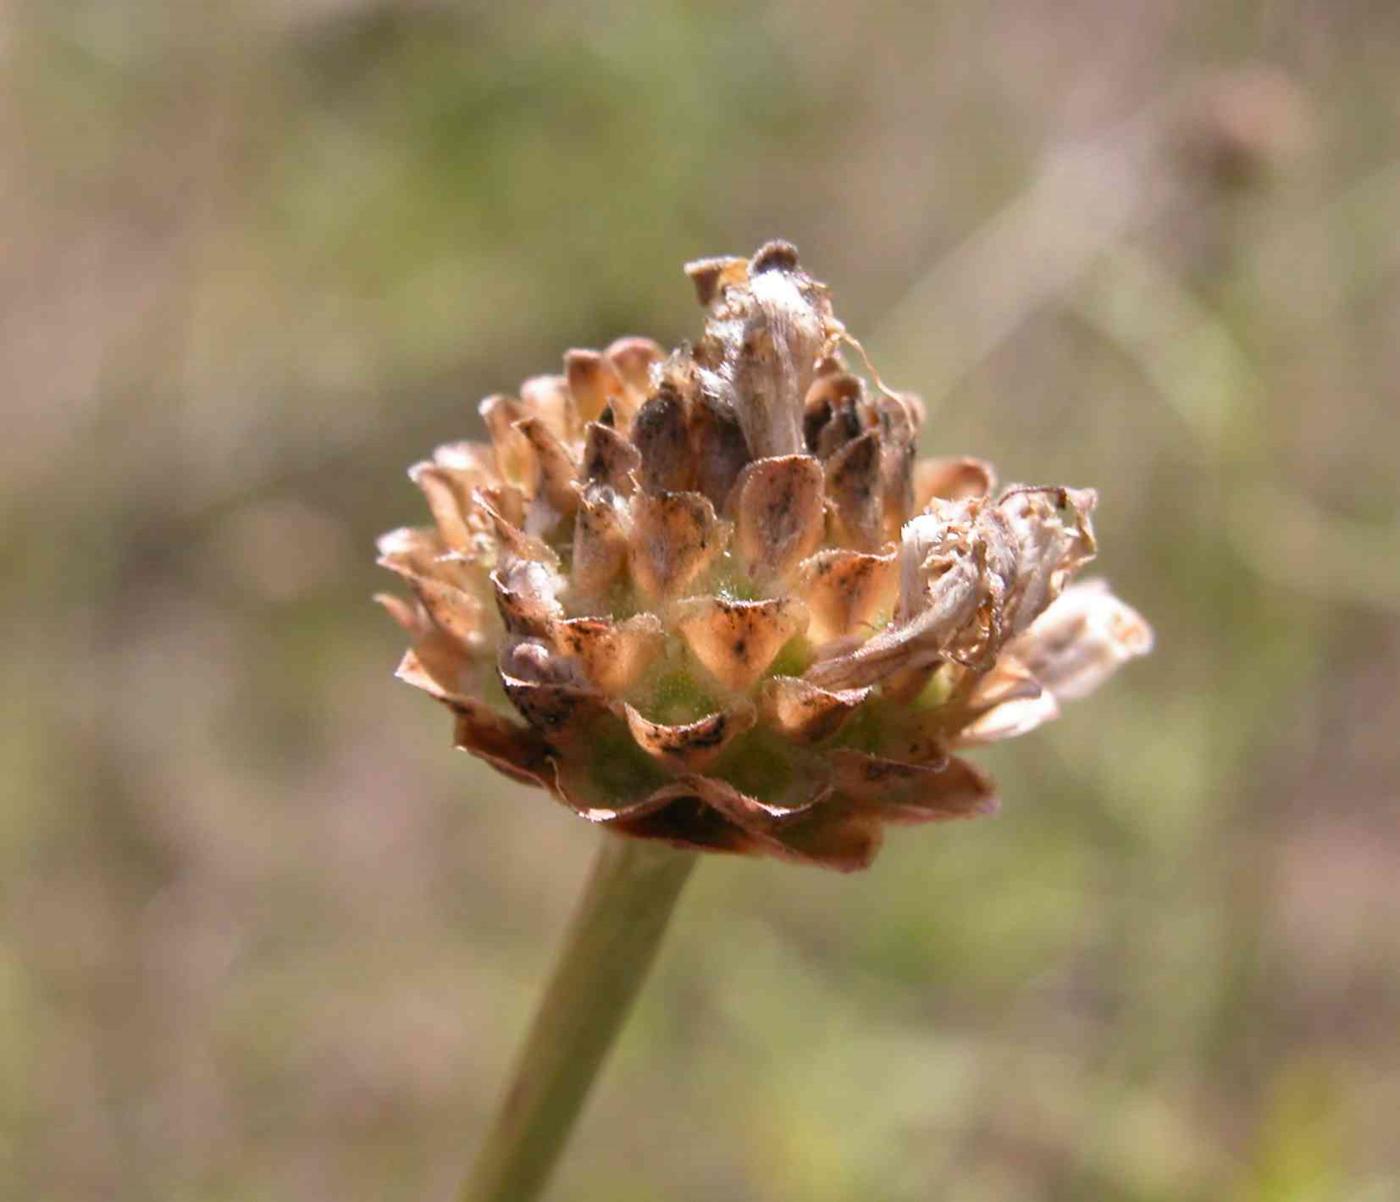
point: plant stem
(611, 944)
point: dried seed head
(713, 598)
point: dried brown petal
(502, 510)
(675, 538)
(951, 480)
(527, 596)
(600, 543)
(846, 591)
(737, 640)
(831, 413)
(446, 503)
(700, 811)
(558, 711)
(1009, 680)
(853, 484)
(778, 515)
(470, 463)
(517, 751)
(689, 747)
(441, 668)
(555, 470)
(549, 691)
(455, 612)
(775, 255)
(898, 430)
(903, 792)
(408, 615)
(594, 383)
(802, 711)
(579, 784)
(660, 434)
(903, 685)
(549, 399)
(1005, 703)
(717, 446)
(609, 458)
(685, 820)
(514, 542)
(832, 834)
(749, 812)
(712, 276)
(418, 555)
(612, 655)
(704, 814)
(411, 550)
(514, 459)
(633, 358)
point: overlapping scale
(778, 516)
(806, 712)
(736, 641)
(689, 746)
(847, 592)
(609, 458)
(601, 528)
(595, 385)
(675, 537)
(612, 655)
(899, 791)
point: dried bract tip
(1085, 636)
(774, 256)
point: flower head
(712, 597)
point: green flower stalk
(616, 932)
(712, 600)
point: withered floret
(712, 597)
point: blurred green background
(266, 936)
